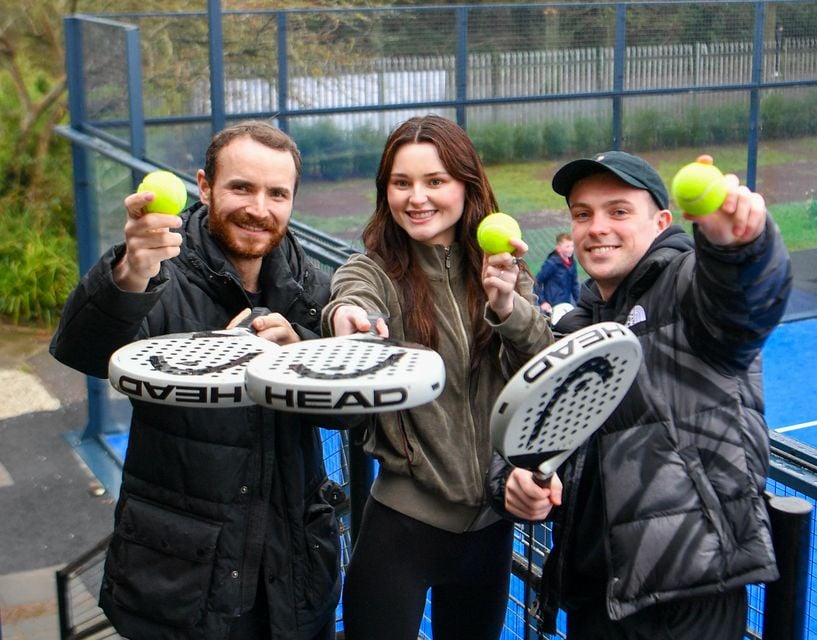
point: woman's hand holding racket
(528, 499)
(349, 319)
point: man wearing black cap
(662, 522)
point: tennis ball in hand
(495, 231)
(170, 194)
(699, 188)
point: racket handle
(541, 479)
(373, 317)
(254, 313)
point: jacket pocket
(322, 543)
(160, 563)
(711, 504)
(408, 446)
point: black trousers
(716, 617)
(254, 624)
(397, 559)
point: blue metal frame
(216, 65)
(461, 101)
(283, 72)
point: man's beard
(224, 232)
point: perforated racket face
(350, 374)
(563, 395)
(204, 369)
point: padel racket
(562, 395)
(359, 373)
(203, 369)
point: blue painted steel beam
(216, 42)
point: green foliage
(691, 130)
(330, 153)
(9, 106)
(528, 142)
(590, 135)
(494, 141)
(812, 211)
(555, 140)
(789, 116)
(366, 145)
(798, 224)
(37, 267)
(646, 126)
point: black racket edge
(255, 312)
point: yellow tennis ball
(170, 194)
(495, 231)
(699, 188)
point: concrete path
(52, 509)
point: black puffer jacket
(210, 496)
(670, 499)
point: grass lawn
(523, 190)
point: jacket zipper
(467, 364)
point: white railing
(396, 80)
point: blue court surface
(790, 384)
(790, 380)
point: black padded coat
(210, 498)
(682, 463)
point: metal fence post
(218, 116)
(784, 612)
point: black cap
(631, 169)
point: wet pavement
(52, 508)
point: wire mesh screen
(522, 77)
(104, 76)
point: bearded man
(223, 528)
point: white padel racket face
(361, 373)
(203, 369)
(561, 396)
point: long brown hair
(383, 236)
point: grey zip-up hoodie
(434, 458)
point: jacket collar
(436, 260)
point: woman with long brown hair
(427, 524)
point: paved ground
(53, 510)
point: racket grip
(541, 479)
(373, 317)
(254, 313)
